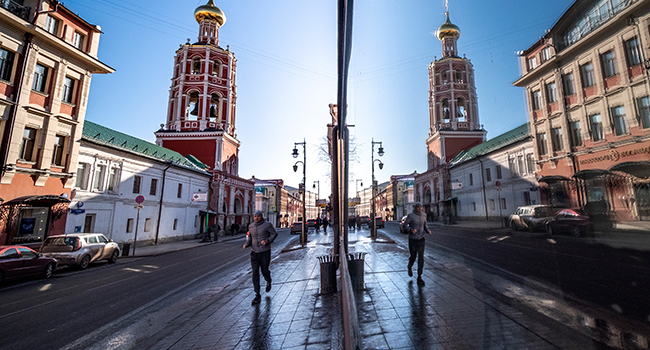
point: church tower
(453, 120)
(201, 115)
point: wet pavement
(458, 308)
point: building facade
(48, 55)
(588, 95)
(453, 120)
(202, 114)
(400, 196)
(283, 203)
(114, 169)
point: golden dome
(448, 29)
(210, 12)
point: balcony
(15, 8)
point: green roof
(102, 135)
(515, 135)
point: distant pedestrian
(318, 223)
(212, 231)
(416, 224)
(259, 237)
(234, 228)
(325, 223)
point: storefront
(28, 220)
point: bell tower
(453, 104)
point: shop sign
(615, 155)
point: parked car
(379, 221)
(577, 223)
(80, 249)
(402, 227)
(531, 217)
(18, 262)
(311, 223)
(364, 220)
(296, 227)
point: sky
(287, 74)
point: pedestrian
(325, 223)
(259, 237)
(212, 230)
(416, 223)
(318, 223)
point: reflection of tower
(453, 107)
(201, 115)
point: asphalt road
(73, 307)
(595, 271)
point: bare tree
(324, 155)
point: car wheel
(576, 231)
(531, 227)
(549, 230)
(113, 258)
(85, 261)
(1, 277)
(49, 270)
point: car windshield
(543, 212)
(60, 241)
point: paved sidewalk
(455, 310)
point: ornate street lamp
(380, 152)
(303, 233)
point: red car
(18, 261)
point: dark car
(577, 223)
(363, 220)
(379, 221)
(296, 227)
(531, 217)
(311, 223)
(402, 227)
(18, 262)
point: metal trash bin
(328, 266)
(126, 248)
(355, 265)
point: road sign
(200, 197)
(77, 211)
(139, 199)
(138, 206)
(497, 183)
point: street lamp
(314, 186)
(303, 236)
(380, 152)
(357, 186)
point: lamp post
(303, 236)
(380, 152)
(314, 186)
(356, 193)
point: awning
(451, 199)
(591, 173)
(553, 179)
(640, 169)
(44, 200)
(209, 212)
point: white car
(80, 249)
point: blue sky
(286, 72)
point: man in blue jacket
(259, 237)
(416, 223)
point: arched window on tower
(443, 74)
(445, 110)
(460, 110)
(196, 65)
(192, 110)
(214, 108)
(459, 76)
(216, 68)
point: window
(632, 49)
(6, 64)
(175, 224)
(52, 25)
(215, 68)
(147, 224)
(214, 107)
(503, 203)
(40, 78)
(620, 121)
(588, 78)
(460, 109)
(474, 205)
(520, 163)
(546, 54)
(644, 111)
(98, 181)
(556, 141)
(471, 179)
(609, 64)
(193, 106)
(526, 198)
(81, 176)
(512, 166)
(27, 146)
(499, 172)
(196, 66)
(136, 184)
(537, 100)
(541, 144)
(57, 152)
(153, 187)
(492, 206)
(532, 63)
(179, 193)
(445, 109)
(551, 92)
(597, 131)
(569, 87)
(530, 162)
(112, 178)
(68, 89)
(459, 76)
(488, 174)
(129, 225)
(576, 134)
(78, 40)
(443, 74)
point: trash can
(328, 266)
(355, 265)
(126, 248)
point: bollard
(355, 265)
(126, 247)
(328, 266)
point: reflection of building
(365, 206)
(115, 168)
(202, 114)
(494, 178)
(589, 107)
(400, 196)
(310, 202)
(453, 119)
(284, 203)
(47, 57)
